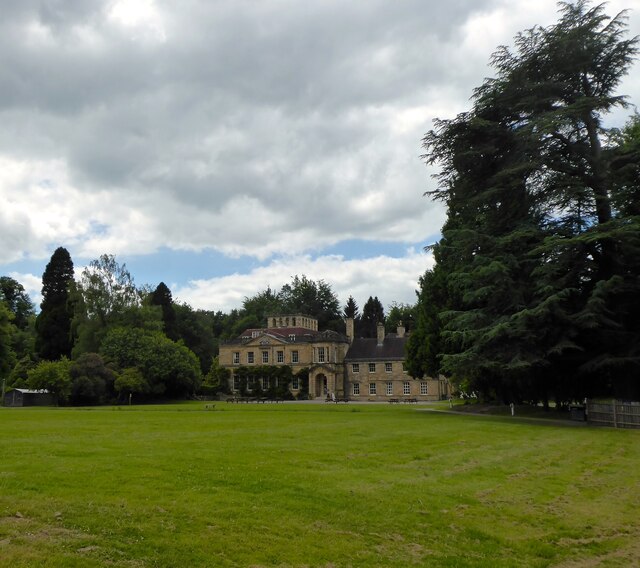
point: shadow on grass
(502, 413)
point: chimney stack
(401, 329)
(350, 329)
(380, 333)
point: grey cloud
(281, 109)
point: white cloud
(32, 285)
(142, 16)
(259, 129)
(391, 279)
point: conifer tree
(372, 315)
(538, 261)
(53, 324)
(162, 297)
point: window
(320, 354)
(406, 387)
(356, 389)
(236, 357)
(404, 367)
(265, 383)
(372, 367)
(355, 367)
(250, 357)
(265, 356)
(236, 383)
(389, 388)
(388, 367)
(294, 356)
(255, 334)
(280, 355)
(295, 383)
(423, 388)
(292, 337)
(372, 388)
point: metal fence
(614, 413)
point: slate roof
(368, 349)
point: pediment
(264, 340)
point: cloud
(253, 129)
(391, 279)
(32, 285)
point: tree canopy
(17, 300)
(531, 293)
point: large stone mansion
(338, 364)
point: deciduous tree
(17, 300)
(91, 380)
(170, 369)
(7, 356)
(53, 376)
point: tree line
(533, 296)
(99, 338)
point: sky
(225, 146)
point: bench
(209, 406)
(394, 400)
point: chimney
(401, 329)
(350, 329)
(380, 333)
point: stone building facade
(342, 365)
(292, 340)
(375, 371)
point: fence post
(615, 417)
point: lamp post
(4, 382)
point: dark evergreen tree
(423, 346)
(351, 309)
(161, 296)
(53, 324)
(372, 315)
(536, 267)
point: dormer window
(255, 334)
(292, 337)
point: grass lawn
(312, 485)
